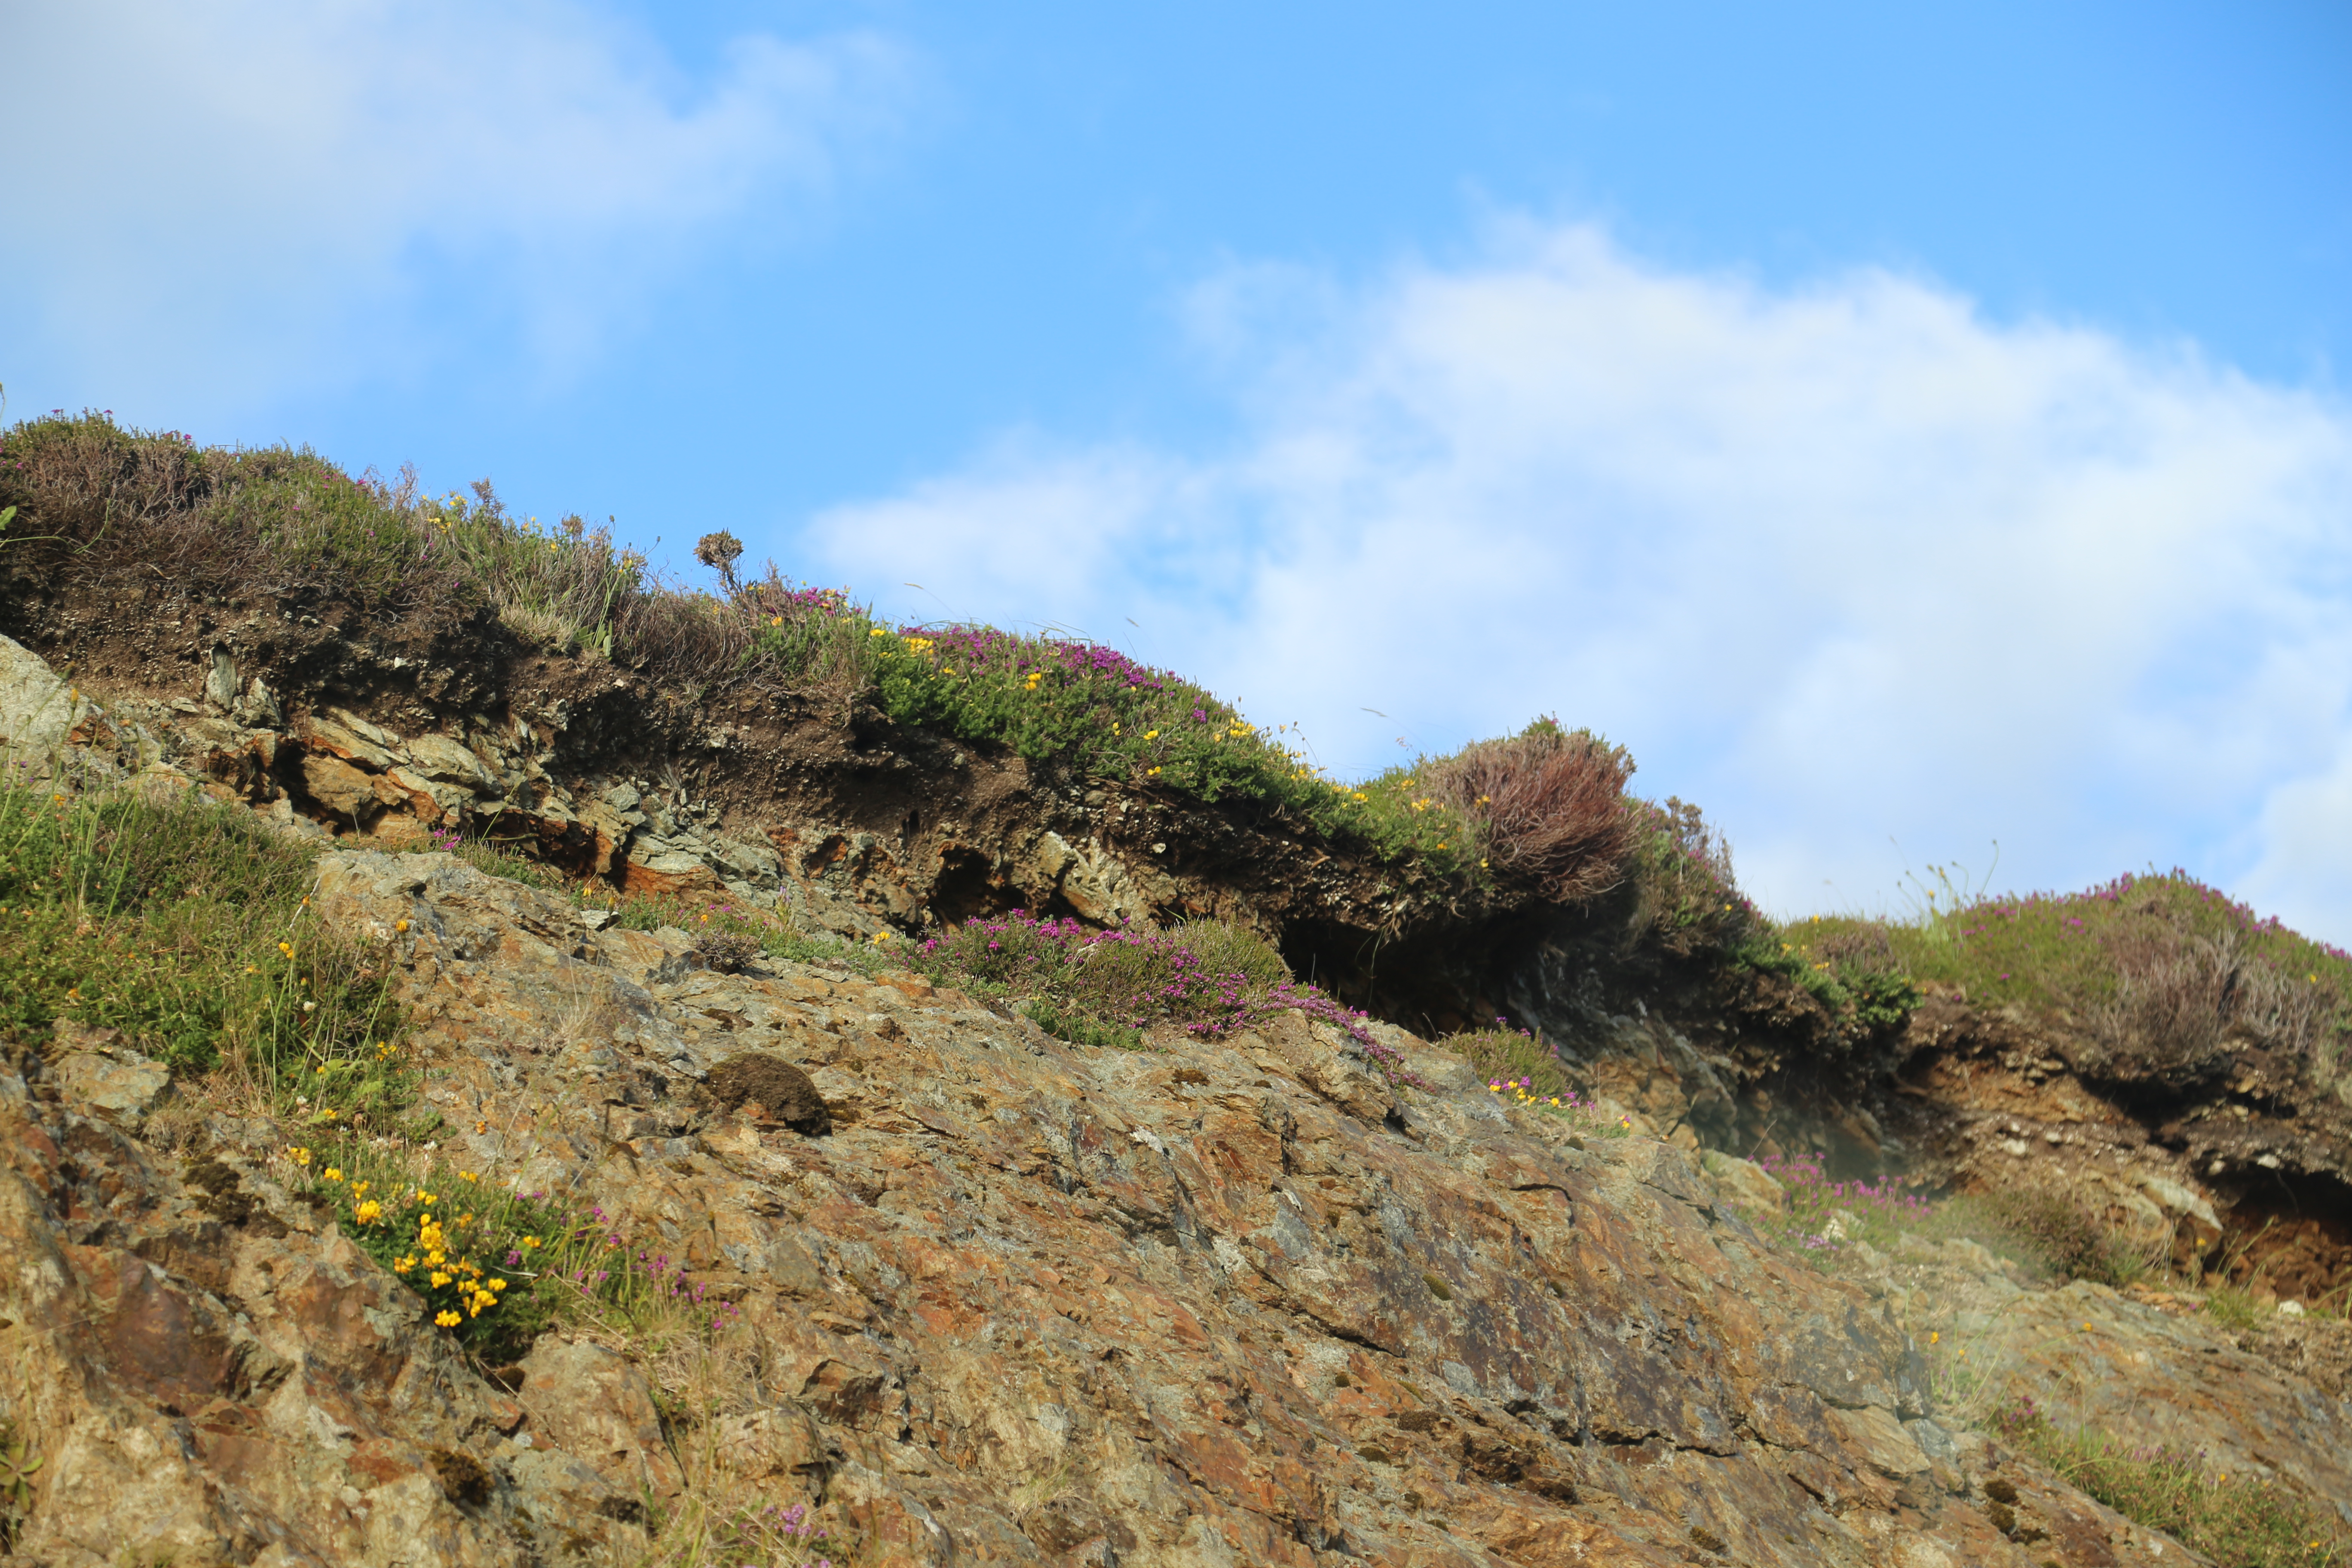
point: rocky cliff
(1025, 1301)
(1006, 1296)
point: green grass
(2238, 1521)
(187, 926)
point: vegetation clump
(1110, 988)
(2158, 976)
(186, 926)
(2234, 1521)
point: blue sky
(1904, 427)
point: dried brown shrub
(2172, 1001)
(1550, 806)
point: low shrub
(1825, 1217)
(1858, 982)
(2055, 1235)
(1583, 1116)
(1685, 898)
(1543, 809)
(2236, 1522)
(2163, 971)
(1549, 805)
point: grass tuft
(2237, 1521)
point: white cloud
(1846, 564)
(224, 199)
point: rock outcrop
(1025, 1301)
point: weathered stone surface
(210, 1390)
(1257, 1310)
(1027, 1301)
(592, 1403)
(94, 1068)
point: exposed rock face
(1022, 1299)
(1027, 1301)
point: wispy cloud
(267, 195)
(1847, 563)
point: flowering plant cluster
(1825, 1216)
(1106, 716)
(475, 1252)
(2156, 959)
(1135, 980)
(1585, 1115)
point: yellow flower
(1151, 734)
(439, 1277)
(300, 1156)
(497, 1283)
(400, 925)
(447, 1319)
(877, 632)
(359, 1189)
(530, 1241)
(366, 1212)
(286, 948)
(332, 1174)
(1935, 1338)
(466, 1175)
(404, 1265)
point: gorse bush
(475, 1253)
(1583, 1116)
(1110, 986)
(1854, 976)
(185, 925)
(1097, 713)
